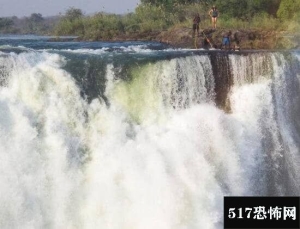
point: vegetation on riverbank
(268, 23)
(259, 24)
(33, 24)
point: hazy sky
(22, 8)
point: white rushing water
(162, 155)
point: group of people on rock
(226, 40)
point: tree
(6, 24)
(73, 14)
(245, 9)
(36, 17)
(72, 23)
(288, 8)
(273, 7)
(233, 8)
(34, 23)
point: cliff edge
(245, 39)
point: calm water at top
(47, 42)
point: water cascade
(144, 139)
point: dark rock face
(223, 79)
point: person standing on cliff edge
(214, 13)
(196, 22)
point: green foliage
(103, 26)
(36, 17)
(71, 23)
(261, 21)
(131, 24)
(273, 7)
(147, 18)
(288, 9)
(246, 9)
(293, 25)
(34, 23)
(151, 18)
(6, 24)
(158, 15)
(70, 27)
(73, 14)
(265, 22)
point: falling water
(155, 141)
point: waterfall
(147, 141)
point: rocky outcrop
(245, 39)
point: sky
(21, 8)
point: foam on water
(67, 163)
